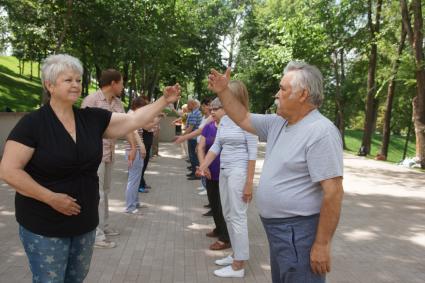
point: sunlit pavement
(381, 236)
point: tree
(386, 131)
(415, 37)
(3, 30)
(371, 101)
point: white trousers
(232, 182)
(104, 172)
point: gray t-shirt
(297, 158)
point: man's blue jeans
(290, 242)
(191, 147)
(54, 259)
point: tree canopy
(356, 45)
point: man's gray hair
(54, 65)
(216, 103)
(306, 77)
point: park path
(380, 238)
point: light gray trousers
(232, 182)
(105, 173)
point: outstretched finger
(227, 73)
(214, 72)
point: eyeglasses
(215, 108)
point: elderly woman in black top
(51, 159)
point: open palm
(218, 82)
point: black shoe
(208, 213)
(189, 167)
(190, 174)
(191, 178)
(207, 206)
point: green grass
(18, 92)
(353, 140)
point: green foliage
(151, 42)
(157, 43)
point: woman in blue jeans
(135, 168)
(51, 159)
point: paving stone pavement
(380, 238)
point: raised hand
(172, 93)
(218, 82)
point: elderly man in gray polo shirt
(300, 191)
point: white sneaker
(111, 232)
(200, 188)
(228, 260)
(229, 272)
(104, 244)
(203, 193)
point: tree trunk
(86, 80)
(341, 97)
(86, 75)
(232, 41)
(98, 72)
(415, 37)
(406, 144)
(198, 84)
(153, 84)
(386, 130)
(338, 99)
(132, 88)
(371, 84)
(66, 22)
(38, 68)
(31, 70)
(125, 74)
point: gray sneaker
(111, 232)
(104, 244)
(135, 212)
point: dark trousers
(213, 193)
(191, 148)
(290, 241)
(147, 141)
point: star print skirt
(58, 259)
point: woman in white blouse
(238, 153)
